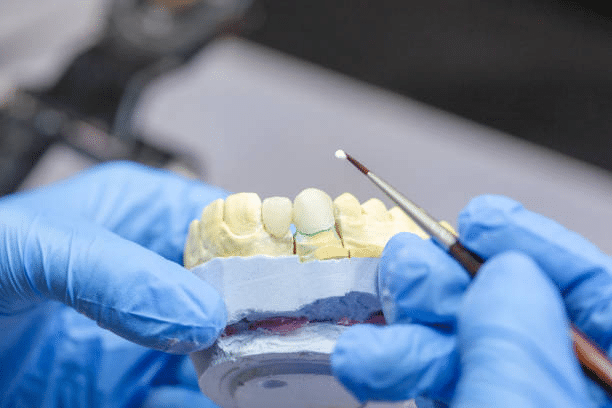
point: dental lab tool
(593, 361)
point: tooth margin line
(314, 233)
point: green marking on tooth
(310, 235)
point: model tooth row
(243, 225)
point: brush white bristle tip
(340, 154)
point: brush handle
(593, 360)
(469, 260)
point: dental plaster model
(240, 226)
(243, 225)
(366, 228)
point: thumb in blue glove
(512, 348)
(106, 244)
(513, 340)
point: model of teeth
(366, 228)
(243, 225)
(240, 226)
(316, 236)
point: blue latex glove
(103, 251)
(499, 341)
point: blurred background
(445, 99)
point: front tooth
(316, 237)
(242, 213)
(276, 214)
(312, 211)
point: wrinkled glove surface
(500, 340)
(95, 307)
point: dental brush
(594, 362)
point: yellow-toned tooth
(403, 223)
(363, 228)
(233, 227)
(212, 215)
(277, 214)
(313, 217)
(216, 236)
(242, 213)
(347, 204)
(194, 252)
(376, 209)
(203, 239)
(366, 229)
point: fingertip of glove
(128, 171)
(176, 396)
(203, 319)
(407, 248)
(399, 240)
(488, 201)
(485, 212)
(419, 282)
(513, 331)
(162, 306)
(511, 277)
(357, 362)
(398, 250)
(394, 363)
(119, 169)
(512, 293)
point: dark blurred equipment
(537, 69)
(90, 107)
(29, 127)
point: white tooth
(276, 214)
(316, 237)
(242, 213)
(312, 211)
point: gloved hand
(88, 264)
(499, 341)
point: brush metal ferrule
(429, 224)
